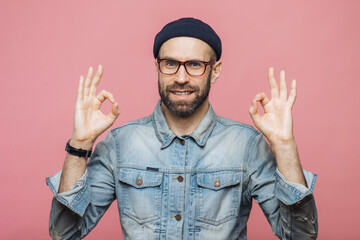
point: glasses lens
(169, 66)
(195, 68)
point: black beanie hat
(188, 27)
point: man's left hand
(276, 125)
(276, 122)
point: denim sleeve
(289, 207)
(76, 212)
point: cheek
(164, 81)
(162, 84)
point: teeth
(182, 93)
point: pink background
(46, 45)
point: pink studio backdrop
(46, 45)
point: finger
(283, 88)
(88, 81)
(253, 110)
(115, 112)
(103, 95)
(96, 80)
(273, 85)
(262, 98)
(80, 89)
(292, 95)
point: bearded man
(184, 172)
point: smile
(181, 93)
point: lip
(181, 97)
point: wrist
(283, 147)
(282, 142)
(79, 152)
(82, 144)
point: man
(184, 172)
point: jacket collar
(166, 136)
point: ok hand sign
(276, 122)
(89, 121)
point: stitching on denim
(249, 147)
(207, 133)
(156, 129)
(229, 122)
(184, 170)
(141, 121)
(117, 151)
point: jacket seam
(220, 119)
(141, 121)
(246, 177)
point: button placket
(177, 217)
(181, 141)
(179, 178)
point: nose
(182, 76)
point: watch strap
(77, 151)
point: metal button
(180, 178)
(182, 141)
(178, 217)
(217, 183)
(138, 181)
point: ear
(215, 71)
(156, 65)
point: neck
(185, 125)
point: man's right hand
(89, 121)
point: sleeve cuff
(290, 192)
(77, 198)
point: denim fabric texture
(197, 186)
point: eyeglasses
(192, 67)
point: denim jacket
(197, 186)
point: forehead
(185, 48)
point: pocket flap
(218, 180)
(140, 178)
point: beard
(183, 108)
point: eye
(194, 64)
(170, 63)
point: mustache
(183, 87)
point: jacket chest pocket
(140, 194)
(217, 199)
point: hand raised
(276, 122)
(89, 121)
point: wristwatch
(77, 151)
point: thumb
(115, 112)
(253, 111)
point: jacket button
(178, 217)
(180, 178)
(138, 181)
(182, 141)
(217, 183)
